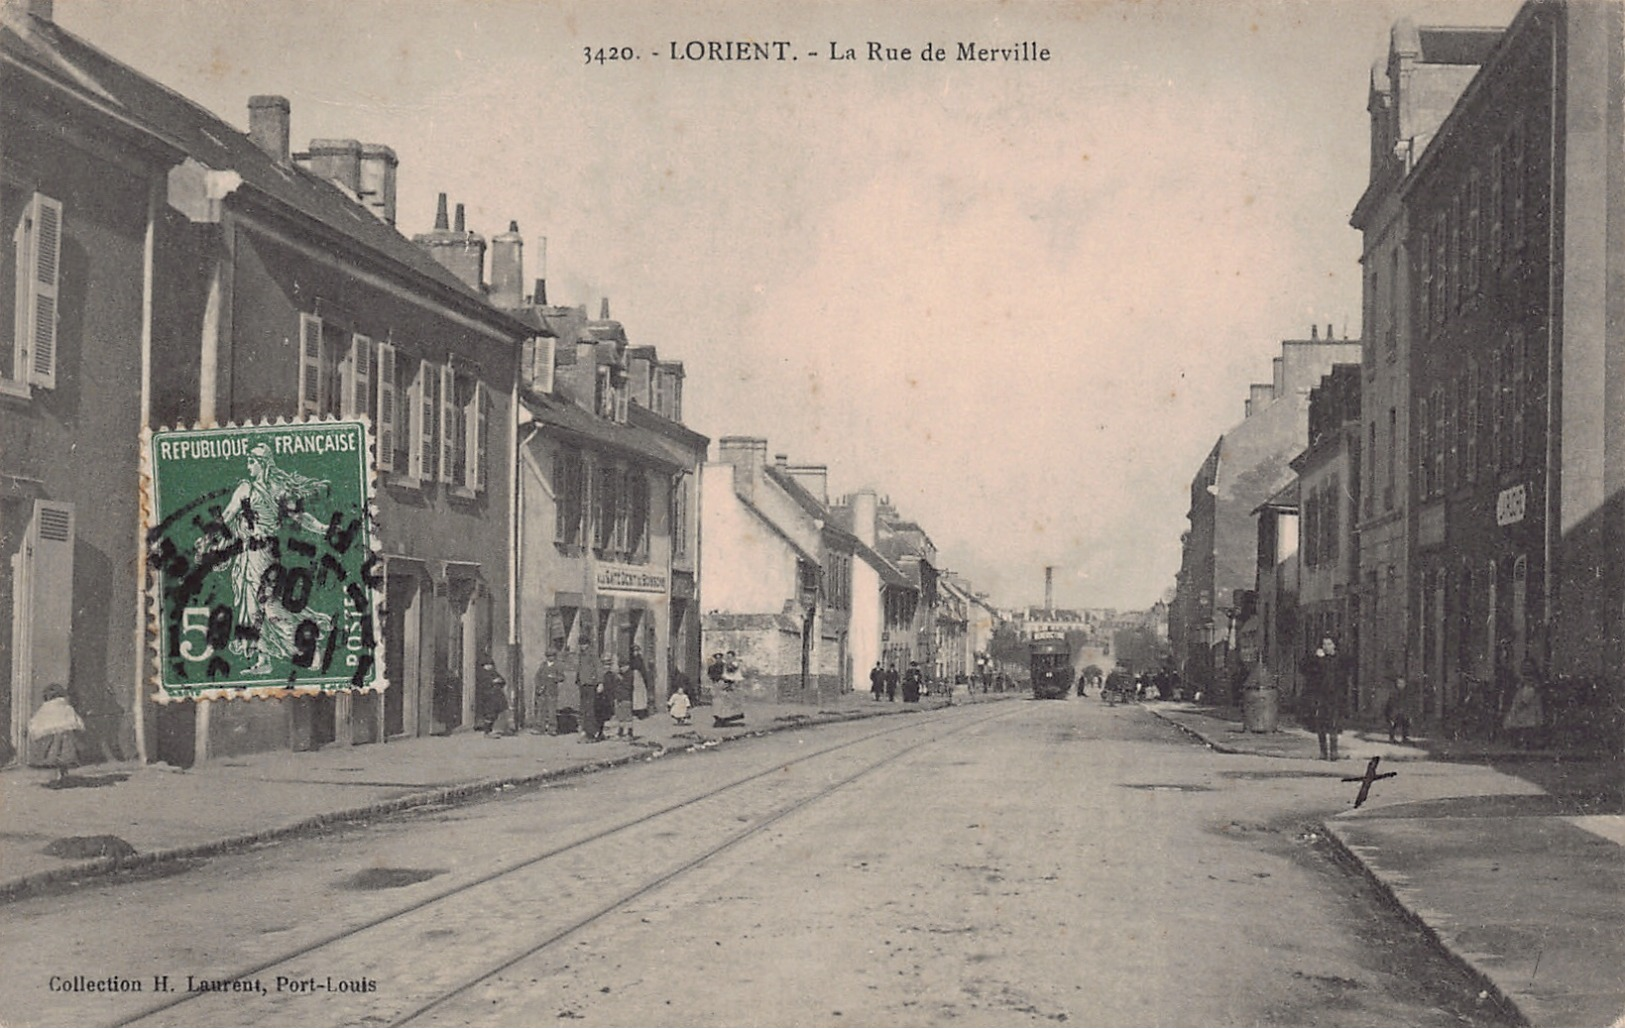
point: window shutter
(427, 440)
(474, 474)
(542, 370)
(42, 608)
(310, 364)
(449, 416)
(384, 372)
(44, 246)
(358, 390)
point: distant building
(883, 598)
(1247, 465)
(1279, 628)
(778, 576)
(1328, 472)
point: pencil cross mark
(1368, 779)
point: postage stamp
(260, 542)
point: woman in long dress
(53, 733)
(727, 709)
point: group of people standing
(1519, 707)
(886, 682)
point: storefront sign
(1510, 505)
(629, 578)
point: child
(1396, 711)
(678, 705)
(55, 729)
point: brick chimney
(378, 168)
(865, 512)
(456, 249)
(268, 125)
(336, 160)
(508, 268)
(814, 478)
(748, 455)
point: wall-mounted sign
(629, 578)
(1511, 504)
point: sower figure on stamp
(258, 509)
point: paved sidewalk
(132, 815)
(1514, 862)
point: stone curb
(1218, 747)
(1486, 982)
(20, 888)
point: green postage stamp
(261, 545)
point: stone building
(1515, 221)
(1246, 466)
(1411, 92)
(246, 283)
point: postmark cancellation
(262, 560)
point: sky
(1020, 298)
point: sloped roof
(97, 79)
(564, 416)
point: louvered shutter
(310, 364)
(44, 260)
(384, 372)
(358, 390)
(450, 417)
(474, 471)
(42, 608)
(424, 436)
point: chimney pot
(268, 125)
(440, 222)
(1314, 331)
(603, 308)
(458, 226)
(539, 297)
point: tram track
(533, 889)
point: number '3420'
(606, 54)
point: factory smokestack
(1049, 591)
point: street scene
(1079, 513)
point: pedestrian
(677, 706)
(714, 670)
(603, 705)
(913, 679)
(589, 680)
(891, 683)
(728, 709)
(544, 709)
(1396, 710)
(877, 681)
(1323, 688)
(490, 699)
(53, 734)
(642, 683)
(1526, 713)
(618, 681)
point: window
(385, 415)
(1518, 394)
(606, 501)
(1470, 230)
(1441, 267)
(679, 515)
(1514, 190)
(1457, 294)
(1371, 467)
(1439, 441)
(36, 253)
(1494, 385)
(1333, 519)
(1424, 441)
(604, 396)
(1492, 207)
(676, 411)
(1448, 479)
(1390, 313)
(569, 496)
(1470, 455)
(1393, 458)
(425, 439)
(1424, 279)
(637, 545)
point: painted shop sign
(628, 578)
(261, 548)
(1511, 505)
